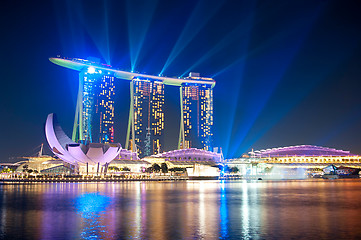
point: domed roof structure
(300, 150)
(69, 151)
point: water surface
(308, 209)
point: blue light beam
(140, 15)
(295, 35)
(295, 97)
(196, 22)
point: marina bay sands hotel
(94, 115)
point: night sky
(287, 72)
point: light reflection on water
(91, 207)
(182, 210)
(223, 211)
(245, 212)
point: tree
(164, 167)
(113, 168)
(6, 170)
(126, 169)
(177, 169)
(268, 169)
(156, 167)
(25, 167)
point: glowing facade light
(94, 118)
(197, 112)
(148, 116)
(91, 70)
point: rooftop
(300, 150)
(81, 64)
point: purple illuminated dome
(301, 150)
(69, 151)
(191, 154)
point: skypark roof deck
(81, 64)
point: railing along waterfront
(34, 179)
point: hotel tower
(146, 117)
(94, 115)
(197, 112)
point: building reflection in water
(200, 219)
(182, 210)
(138, 213)
(202, 210)
(53, 198)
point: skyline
(286, 73)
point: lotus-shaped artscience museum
(69, 151)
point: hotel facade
(148, 102)
(94, 114)
(94, 117)
(197, 111)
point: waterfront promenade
(81, 179)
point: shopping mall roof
(300, 150)
(189, 153)
(123, 161)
